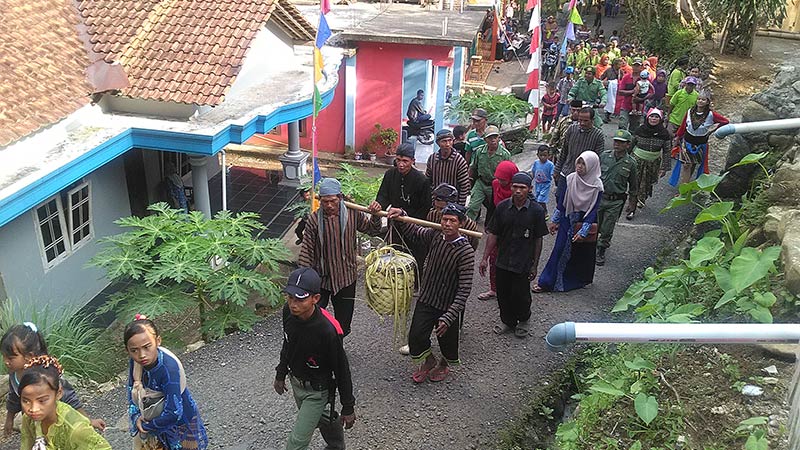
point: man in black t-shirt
(516, 230)
(313, 357)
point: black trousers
(513, 297)
(343, 304)
(423, 322)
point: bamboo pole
(413, 220)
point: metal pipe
(567, 333)
(754, 127)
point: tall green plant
(181, 262)
(740, 18)
(502, 109)
(357, 185)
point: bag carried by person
(591, 236)
(150, 402)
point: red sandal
(439, 374)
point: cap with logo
(479, 113)
(491, 130)
(303, 282)
(622, 135)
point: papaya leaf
(717, 211)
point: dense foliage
(502, 109)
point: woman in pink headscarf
(571, 265)
(501, 190)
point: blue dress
(179, 424)
(542, 177)
(571, 265)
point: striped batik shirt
(576, 141)
(435, 216)
(334, 258)
(447, 275)
(452, 170)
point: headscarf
(660, 88)
(653, 60)
(582, 190)
(646, 130)
(504, 171)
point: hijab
(646, 130)
(505, 171)
(660, 88)
(582, 191)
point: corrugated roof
(187, 51)
(42, 66)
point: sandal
(536, 289)
(502, 329)
(420, 375)
(630, 215)
(439, 374)
(522, 330)
(488, 295)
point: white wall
(69, 282)
(269, 52)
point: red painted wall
(379, 83)
(330, 125)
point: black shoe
(600, 259)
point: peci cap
(522, 178)
(622, 135)
(303, 282)
(406, 149)
(454, 209)
(479, 113)
(491, 130)
(444, 134)
(446, 192)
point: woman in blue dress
(571, 264)
(162, 411)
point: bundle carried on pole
(413, 220)
(390, 286)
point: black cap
(454, 209)
(303, 282)
(406, 149)
(575, 103)
(444, 134)
(446, 192)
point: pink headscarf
(582, 190)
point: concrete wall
(268, 53)
(379, 73)
(792, 21)
(69, 282)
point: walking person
(651, 149)
(625, 91)
(516, 231)
(313, 357)
(542, 171)
(590, 90)
(564, 85)
(501, 190)
(550, 102)
(476, 135)
(154, 369)
(443, 195)
(578, 138)
(610, 80)
(681, 102)
(692, 137)
(443, 292)
(330, 247)
(572, 262)
(484, 162)
(619, 175)
(676, 77)
(448, 166)
(560, 129)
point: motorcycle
(424, 131)
(519, 47)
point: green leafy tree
(502, 109)
(180, 262)
(740, 18)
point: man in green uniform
(618, 172)
(590, 90)
(481, 171)
(476, 134)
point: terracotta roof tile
(42, 65)
(187, 51)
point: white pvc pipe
(754, 127)
(567, 333)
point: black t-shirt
(517, 230)
(461, 147)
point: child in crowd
(641, 92)
(550, 102)
(162, 410)
(542, 171)
(460, 143)
(19, 345)
(49, 423)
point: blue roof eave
(45, 187)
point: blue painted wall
(416, 75)
(69, 282)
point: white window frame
(65, 237)
(70, 207)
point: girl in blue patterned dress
(162, 411)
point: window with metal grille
(52, 231)
(80, 214)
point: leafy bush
(78, 345)
(357, 186)
(183, 262)
(502, 109)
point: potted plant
(381, 138)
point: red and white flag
(536, 55)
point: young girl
(50, 424)
(641, 92)
(19, 345)
(542, 170)
(162, 411)
(698, 124)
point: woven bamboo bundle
(390, 286)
